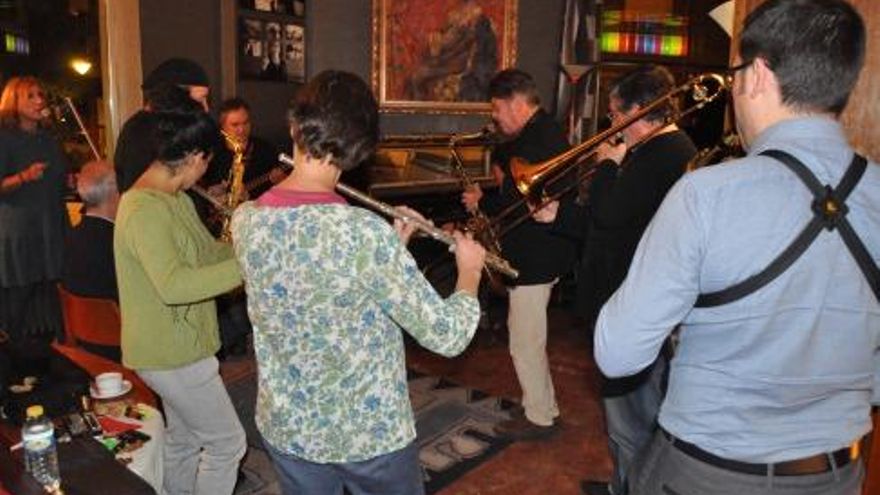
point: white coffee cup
(109, 383)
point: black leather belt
(819, 463)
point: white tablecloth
(146, 461)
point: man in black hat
(172, 82)
(182, 73)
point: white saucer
(126, 388)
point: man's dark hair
(336, 114)
(183, 131)
(642, 86)
(233, 104)
(511, 82)
(816, 49)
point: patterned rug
(454, 426)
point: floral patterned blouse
(330, 286)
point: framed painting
(439, 56)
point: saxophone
(478, 223)
(235, 179)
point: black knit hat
(180, 71)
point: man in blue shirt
(768, 390)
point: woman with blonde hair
(32, 215)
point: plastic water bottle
(40, 455)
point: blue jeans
(397, 473)
(631, 417)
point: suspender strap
(829, 212)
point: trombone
(531, 180)
(493, 261)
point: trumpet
(493, 261)
(531, 180)
(729, 146)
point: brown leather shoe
(520, 428)
(517, 411)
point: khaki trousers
(527, 324)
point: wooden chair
(90, 319)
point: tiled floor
(553, 467)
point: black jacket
(538, 251)
(89, 268)
(622, 202)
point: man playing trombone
(541, 254)
(630, 182)
(330, 286)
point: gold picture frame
(438, 56)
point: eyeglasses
(731, 71)
(613, 114)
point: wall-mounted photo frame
(439, 56)
(271, 40)
(288, 7)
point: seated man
(88, 265)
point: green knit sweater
(169, 270)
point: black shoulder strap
(829, 210)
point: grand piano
(420, 171)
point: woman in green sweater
(169, 270)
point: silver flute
(493, 261)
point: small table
(87, 467)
